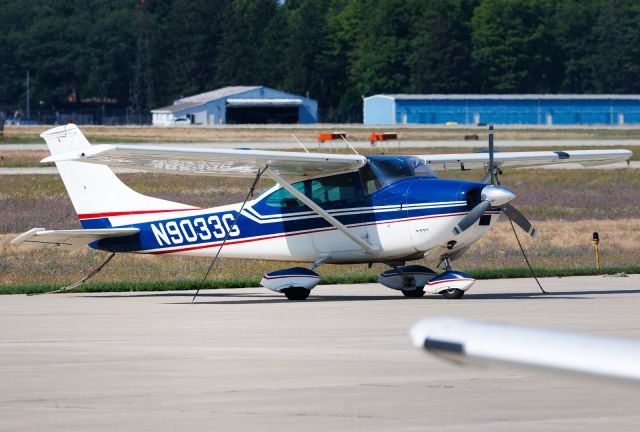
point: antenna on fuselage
(301, 145)
(349, 144)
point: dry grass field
(560, 244)
(566, 207)
(356, 132)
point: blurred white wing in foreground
(466, 340)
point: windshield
(384, 170)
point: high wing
(466, 341)
(208, 161)
(70, 239)
(517, 159)
(246, 163)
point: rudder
(99, 197)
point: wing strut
(326, 216)
(233, 225)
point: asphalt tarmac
(248, 359)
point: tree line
(146, 53)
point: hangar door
(263, 111)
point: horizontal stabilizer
(70, 239)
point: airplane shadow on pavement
(253, 298)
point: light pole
(28, 97)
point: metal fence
(107, 116)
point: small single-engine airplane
(324, 208)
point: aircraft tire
(418, 292)
(454, 293)
(296, 293)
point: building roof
(261, 102)
(401, 96)
(176, 107)
(217, 94)
(202, 98)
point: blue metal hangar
(238, 105)
(525, 109)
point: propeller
(498, 196)
(494, 196)
(519, 219)
(491, 196)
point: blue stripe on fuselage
(212, 227)
(95, 223)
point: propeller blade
(472, 217)
(519, 219)
(491, 169)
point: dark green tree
(573, 28)
(188, 49)
(513, 46)
(440, 58)
(616, 60)
(344, 32)
(381, 59)
(251, 44)
(306, 35)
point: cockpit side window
(284, 199)
(384, 170)
(370, 182)
(331, 189)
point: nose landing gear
(453, 293)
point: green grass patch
(93, 139)
(28, 139)
(178, 285)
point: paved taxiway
(249, 360)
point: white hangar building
(238, 105)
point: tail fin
(99, 197)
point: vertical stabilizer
(99, 197)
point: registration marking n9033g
(205, 228)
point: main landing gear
(410, 286)
(296, 293)
(418, 292)
(415, 280)
(295, 283)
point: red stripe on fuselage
(162, 252)
(186, 249)
(450, 280)
(128, 213)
